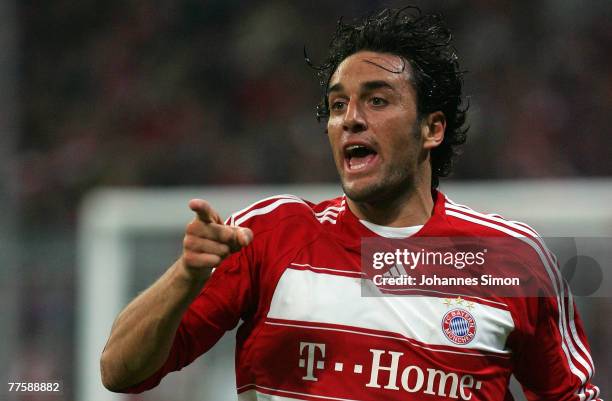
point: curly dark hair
(425, 42)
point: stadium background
(198, 93)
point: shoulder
(475, 222)
(511, 236)
(286, 208)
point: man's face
(373, 127)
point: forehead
(370, 66)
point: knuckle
(226, 235)
(189, 242)
(196, 259)
(191, 227)
(190, 259)
(211, 260)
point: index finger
(204, 211)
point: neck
(408, 209)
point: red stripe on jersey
(383, 334)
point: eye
(338, 105)
(378, 101)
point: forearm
(143, 333)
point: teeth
(354, 149)
(357, 166)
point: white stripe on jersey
(317, 268)
(553, 274)
(304, 296)
(252, 205)
(329, 214)
(331, 209)
(267, 209)
(326, 218)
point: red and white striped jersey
(307, 332)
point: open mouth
(358, 157)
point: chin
(378, 191)
(365, 193)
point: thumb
(244, 236)
(241, 238)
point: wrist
(193, 278)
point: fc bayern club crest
(459, 326)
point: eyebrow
(335, 88)
(366, 86)
(373, 85)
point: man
(291, 270)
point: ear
(432, 130)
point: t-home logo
(398, 377)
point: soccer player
(291, 269)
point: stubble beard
(395, 184)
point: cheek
(333, 133)
(400, 142)
(334, 123)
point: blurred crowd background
(173, 93)
(217, 92)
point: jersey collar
(352, 231)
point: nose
(354, 120)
